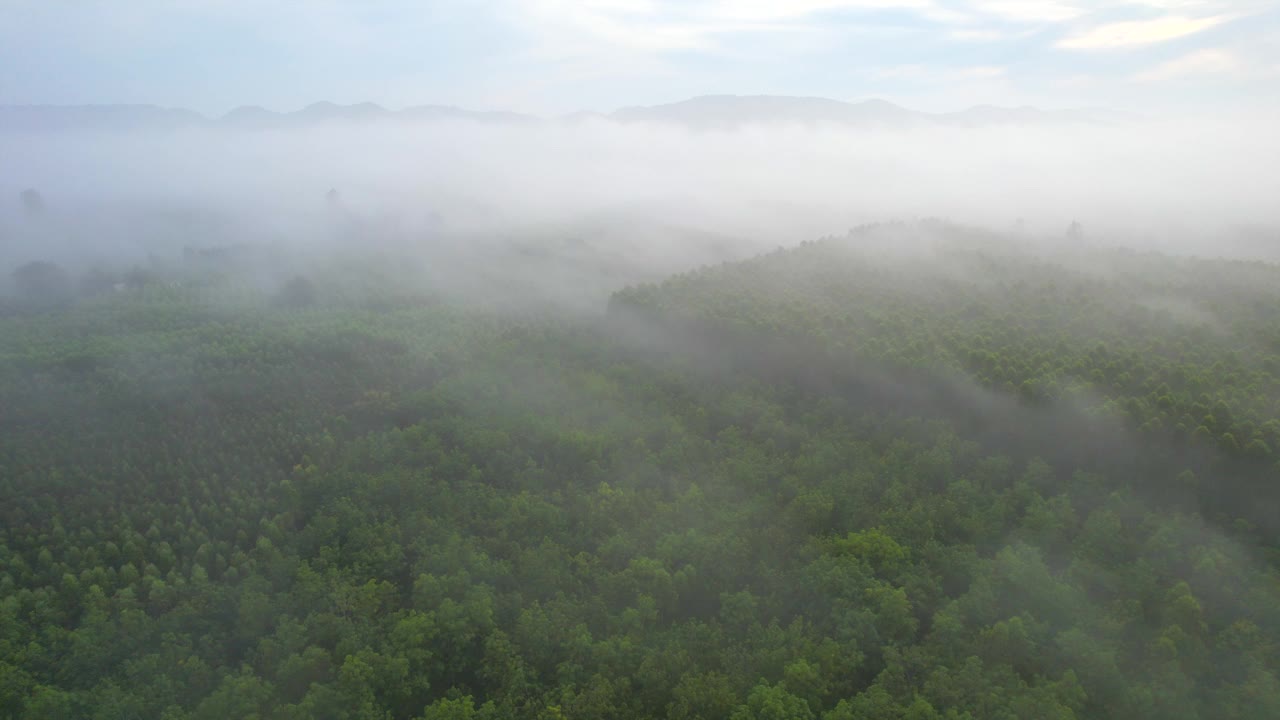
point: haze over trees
(42, 282)
(920, 470)
(933, 376)
(654, 192)
(32, 203)
(360, 414)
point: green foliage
(805, 486)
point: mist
(659, 197)
(420, 416)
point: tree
(32, 202)
(298, 292)
(772, 702)
(96, 282)
(705, 696)
(463, 708)
(42, 282)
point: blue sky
(556, 56)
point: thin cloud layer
(634, 187)
(560, 56)
(1139, 32)
(1198, 63)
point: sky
(551, 57)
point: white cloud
(1028, 11)
(657, 25)
(803, 11)
(552, 56)
(983, 71)
(1078, 81)
(1201, 62)
(932, 72)
(976, 35)
(1139, 32)
(794, 10)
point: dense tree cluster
(812, 485)
(1183, 351)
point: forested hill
(1179, 345)
(1062, 348)
(916, 472)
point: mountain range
(708, 112)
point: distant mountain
(119, 118)
(1025, 115)
(326, 111)
(448, 112)
(35, 118)
(252, 116)
(721, 112)
(582, 116)
(709, 112)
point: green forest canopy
(962, 479)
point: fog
(967, 400)
(653, 199)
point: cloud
(795, 10)
(983, 35)
(1079, 80)
(1139, 32)
(917, 71)
(983, 71)
(813, 11)
(652, 25)
(1028, 11)
(762, 184)
(1201, 62)
(557, 56)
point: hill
(712, 112)
(721, 112)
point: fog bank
(671, 194)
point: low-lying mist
(652, 199)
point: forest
(920, 471)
